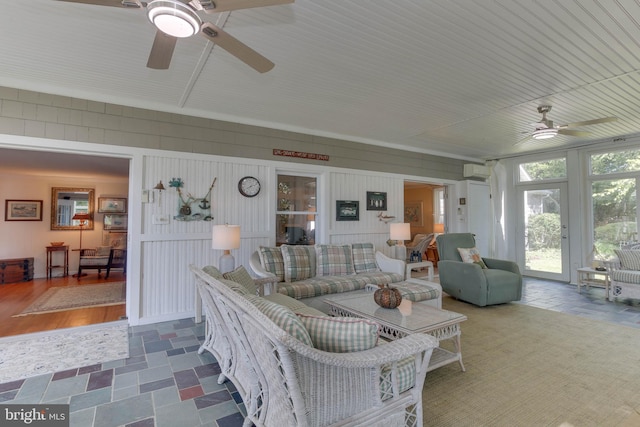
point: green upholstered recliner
(499, 283)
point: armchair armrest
(390, 265)
(263, 283)
(502, 264)
(256, 266)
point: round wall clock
(249, 186)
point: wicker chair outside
(284, 382)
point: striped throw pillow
(297, 262)
(629, 258)
(341, 334)
(271, 260)
(283, 317)
(364, 258)
(333, 260)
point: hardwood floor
(15, 297)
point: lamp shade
(81, 217)
(438, 228)
(400, 231)
(225, 237)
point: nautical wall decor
(192, 208)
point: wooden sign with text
(302, 155)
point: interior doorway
(425, 211)
(32, 174)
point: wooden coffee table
(409, 318)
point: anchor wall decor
(192, 208)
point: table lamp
(438, 228)
(400, 231)
(226, 237)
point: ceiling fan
(545, 128)
(179, 19)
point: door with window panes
(543, 235)
(296, 210)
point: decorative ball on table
(387, 297)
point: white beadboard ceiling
(457, 77)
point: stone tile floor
(165, 382)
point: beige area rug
(24, 356)
(532, 367)
(78, 296)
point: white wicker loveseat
(271, 356)
(625, 272)
(309, 273)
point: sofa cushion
(626, 276)
(241, 275)
(293, 304)
(413, 291)
(471, 255)
(298, 263)
(364, 257)
(324, 285)
(237, 287)
(283, 317)
(213, 272)
(271, 260)
(629, 258)
(333, 260)
(406, 377)
(341, 334)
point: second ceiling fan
(545, 128)
(176, 19)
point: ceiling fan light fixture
(544, 133)
(173, 18)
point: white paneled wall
(167, 288)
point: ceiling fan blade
(161, 51)
(573, 132)
(113, 3)
(235, 47)
(590, 122)
(217, 6)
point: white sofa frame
(622, 289)
(284, 382)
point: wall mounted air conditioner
(476, 171)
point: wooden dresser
(16, 270)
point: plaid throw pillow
(340, 334)
(297, 262)
(271, 260)
(364, 257)
(333, 260)
(241, 276)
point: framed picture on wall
(112, 204)
(376, 201)
(413, 214)
(115, 222)
(23, 210)
(347, 210)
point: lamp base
(226, 263)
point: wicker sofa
(308, 273)
(310, 370)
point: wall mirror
(68, 201)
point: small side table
(588, 276)
(421, 264)
(64, 266)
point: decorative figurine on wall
(187, 211)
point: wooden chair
(96, 259)
(119, 260)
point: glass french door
(543, 233)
